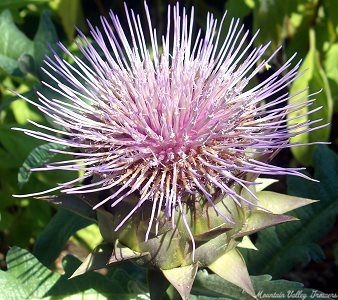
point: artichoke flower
(212, 243)
(170, 138)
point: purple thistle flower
(170, 122)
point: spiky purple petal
(170, 122)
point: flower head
(172, 119)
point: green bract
(171, 252)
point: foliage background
(305, 252)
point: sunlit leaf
(331, 70)
(14, 289)
(26, 63)
(22, 112)
(37, 158)
(62, 226)
(266, 13)
(27, 278)
(89, 236)
(77, 204)
(13, 43)
(14, 147)
(10, 65)
(34, 278)
(239, 8)
(330, 7)
(71, 15)
(313, 80)
(44, 39)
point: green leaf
(14, 288)
(10, 100)
(312, 81)
(13, 43)
(71, 15)
(27, 278)
(45, 38)
(331, 70)
(75, 204)
(89, 237)
(300, 18)
(281, 247)
(33, 277)
(85, 295)
(26, 222)
(92, 283)
(37, 158)
(335, 253)
(9, 65)
(66, 287)
(158, 284)
(331, 16)
(239, 8)
(269, 18)
(19, 3)
(62, 226)
(26, 63)
(211, 286)
(14, 147)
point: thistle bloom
(173, 121)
